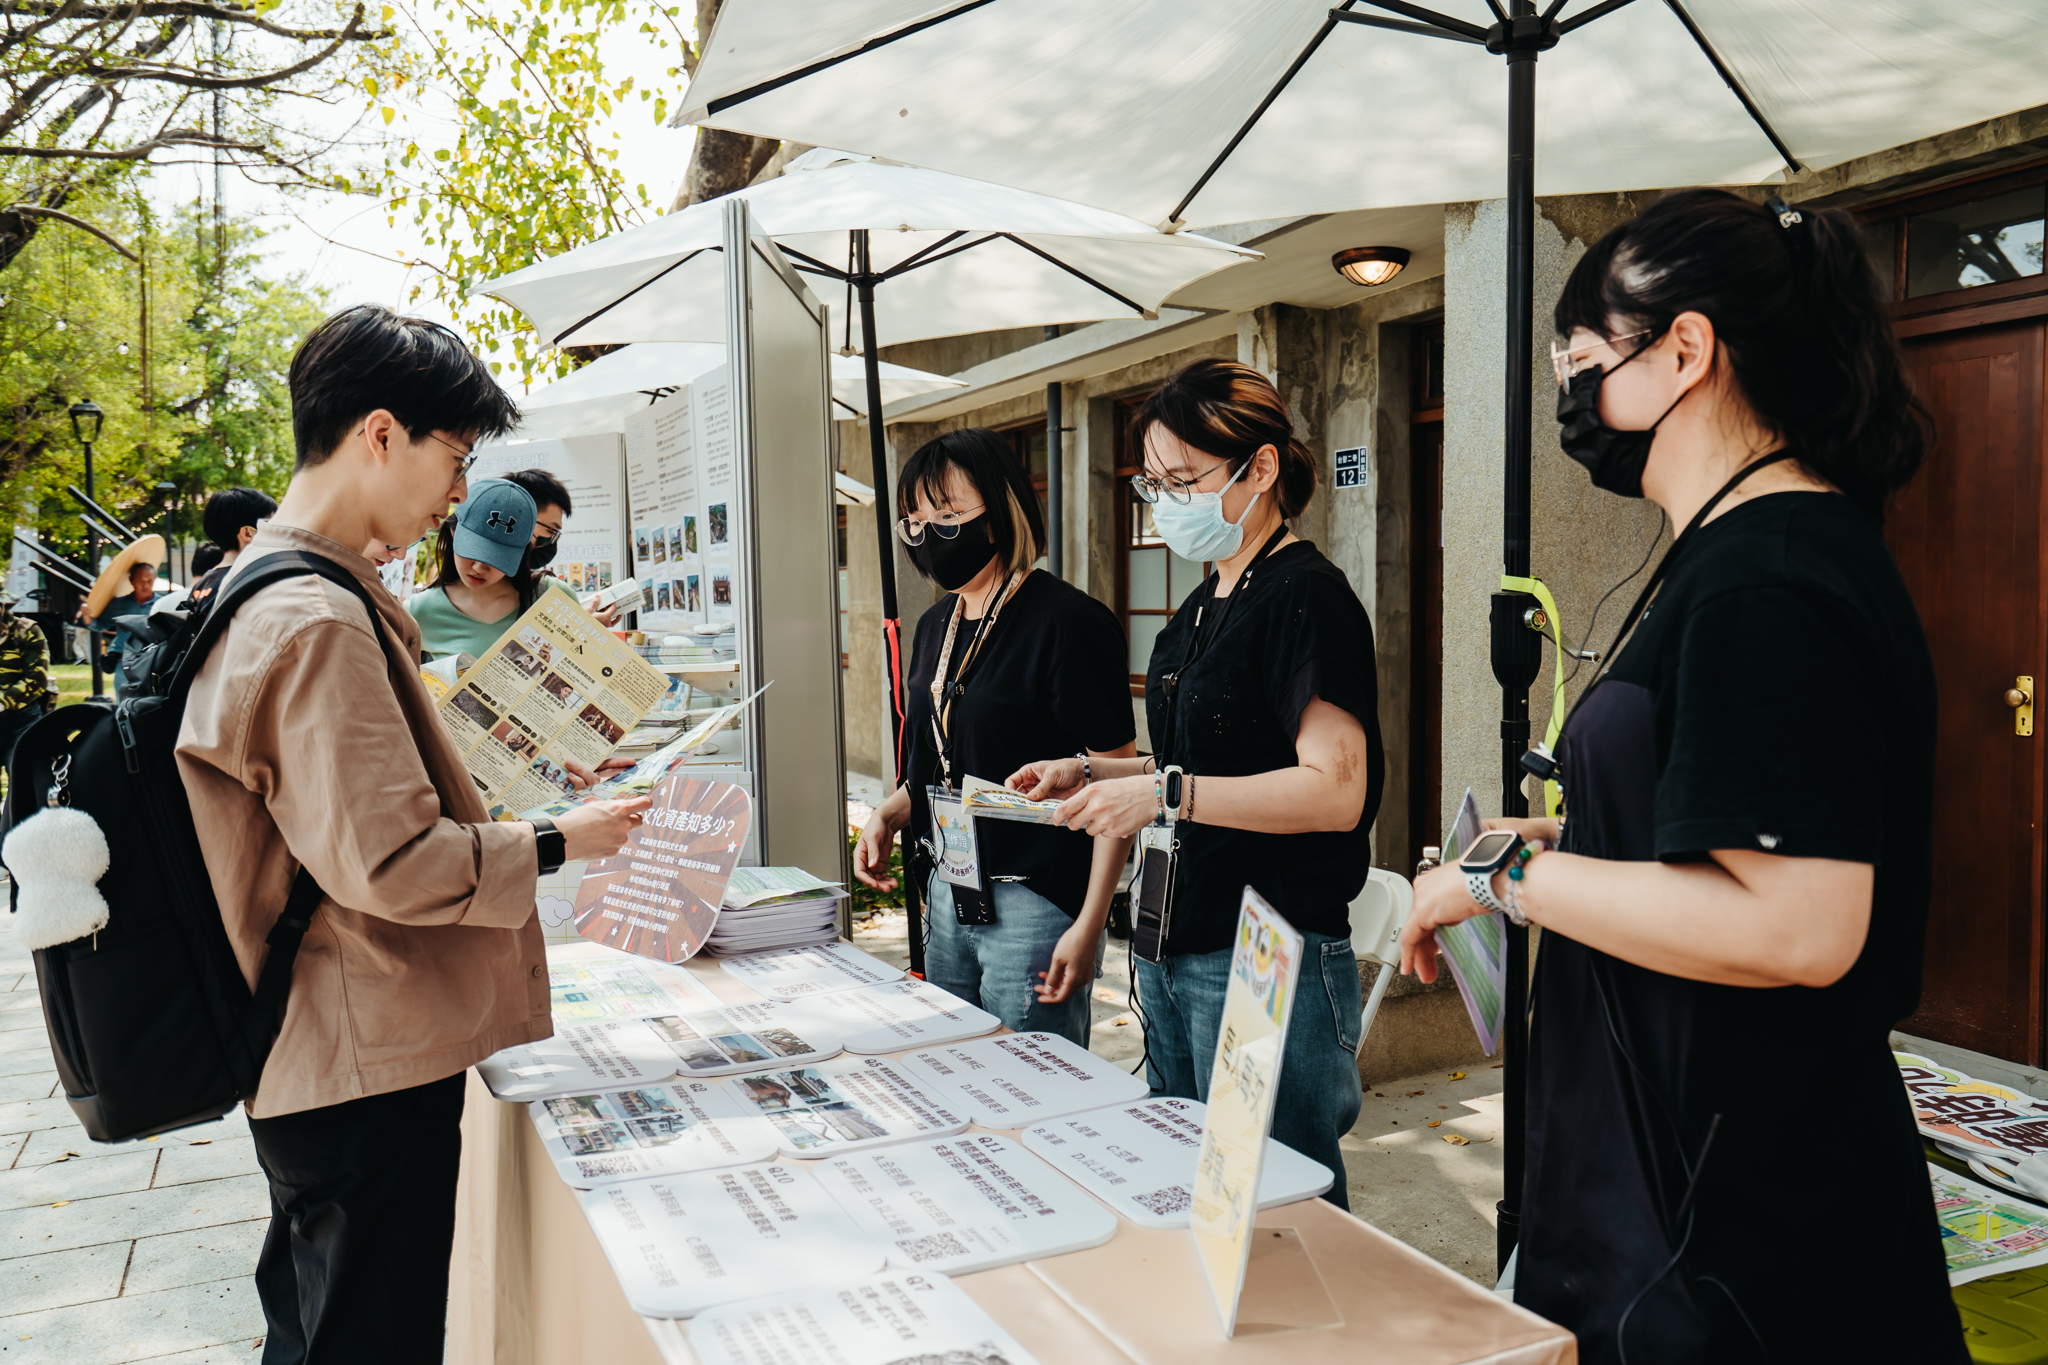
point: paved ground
(108, 1255)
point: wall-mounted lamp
(1370, 265)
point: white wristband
(1479, 885)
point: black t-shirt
(1294, 633)
(1050, 680)
(1777, 695)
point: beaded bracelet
(1086, 775)
(1515, 870)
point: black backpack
(151, 1022)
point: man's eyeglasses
(1567, 363)
(945, 526)
(468, 456)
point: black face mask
(542, 553)
(952, 564)
(1615, 459)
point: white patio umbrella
(948, 254)
(1217, 111)
(601, 395)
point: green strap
(1553, 796)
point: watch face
(1488, 848)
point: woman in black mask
(1735, 914)
(1009, 665)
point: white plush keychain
(56, 858)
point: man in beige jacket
(309, 741)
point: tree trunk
(720, 162)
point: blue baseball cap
(494, 526)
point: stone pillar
(1583, 541)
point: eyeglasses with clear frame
(945, 525)
(1567, 364)
(1179, 490)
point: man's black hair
(368, 357)
(229, 510)
(545, 489)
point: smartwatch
(1489, 853)
(1170, 792)
(549, 843)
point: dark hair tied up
(1228, 410)
(1800, 311)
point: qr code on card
(1173, 1199)
(936, 1247)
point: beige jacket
(304, 742)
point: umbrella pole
(885, 530)
(1517, 650)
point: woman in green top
(485, 582)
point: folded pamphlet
(883, 1321)
(1476, 948)
(984, 798)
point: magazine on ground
(590, 981)
(605, 1054)
(966, 1203)
(843, 1106)
(613, 1135)
(889, 1320)
(898, 1014)
(686, 1243)
(1140, 1160)
(793, 973)
(557, 686)
(1019, 1078)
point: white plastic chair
(1376, 918)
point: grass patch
(74, 683)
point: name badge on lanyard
(955, 851)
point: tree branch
(38, 211)
(188, 9)
(193, 80)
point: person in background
(229, 521)
(484, 583)
(124, 616)
(1027, 664)
(551, 497)
(302, 747)
(1734, 906)
(205, 560)
(25, 691)
(1262, 703)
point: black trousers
(362, 1221)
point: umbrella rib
(1748, 104)
(1077, 273)
(914, 261)
(719, 106)
(1257, 114)
(1431, 18)
(1400, 26)
(817, 267)
(585, 322)
(1580, 21)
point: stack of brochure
(775, 907)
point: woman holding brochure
(1262, 705)
(1010, 662)
(1735, 909)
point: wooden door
(1968, 537)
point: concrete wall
(1583, 541)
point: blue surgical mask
(1197, 529)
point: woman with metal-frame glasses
(1010, 662)
(1262, 703)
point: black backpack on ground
(151, 1022)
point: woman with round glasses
(1262, 703)
(1009, 663)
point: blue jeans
(996, 966)
(1319, 1093)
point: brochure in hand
(997, 802)
(1477, 948)
(966, 1203)
(651, 1130)
(844, 1106)
(557, 686)
(641, 778)
(889, 1320)
(659, 896)
(605, 1054)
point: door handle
(2020, 697)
